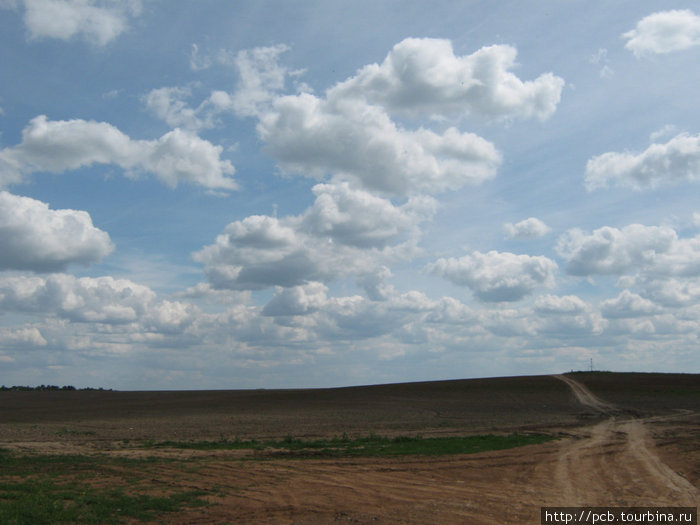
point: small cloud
(601, 58)
(112, 94)
(664, 32)
(197, 61)
(675, 161)
(527, 229)
(64, 19)
(497, 276)
(606, 72)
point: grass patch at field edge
(369, 446)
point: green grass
(40, 490)
(370, 446)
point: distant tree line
(16, 388)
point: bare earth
(627, 440)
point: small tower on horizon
(591, 364)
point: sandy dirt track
(619, 457)
(617, 464)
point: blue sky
(273, 194)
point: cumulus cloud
(568, 314)
(22, 337)
(351, 132)
(423, 76)
(346, 232)
(677, 160)
(97, 21)
(497, 276)
(298, 300)
(35, 237)
(168, 104)
(628, 304)
(358, 218)
(613, 251)
(555, 304)
(666, 291)
(316, 137)
(94, 300)
(57, 146)
(664, 32)
(526, 229)
(86, 299)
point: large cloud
(664, 32)
(352, 132)
(35, 237)
(347, 232)
(423, 76)
(86, 299)
(315, 137)
(358, 218)
(497, 276)
(94, 300)
(656, 250)
(97, 21)
(57, 146)
(628, 304)
(676, 160)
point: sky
(272, 194)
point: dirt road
(616, 463)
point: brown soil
(629, 448)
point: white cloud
(198, 62)
(99, 22)
(526, 229)
(57, 146)
(350, 131)
(654, 250)
(35, 237)
(664, 32)
(358, 218)
(497, 276)
(316, 137)
(612, 251)
(554, 304)
(564, 316)
(103, 300)
(261, 78)
(676, 160)
(347, 232)
(423, 76)
(85, 299)
(628, 304)
(168, 104)
(666, 131)
(24, 337)
(666, 291)
(298, 300)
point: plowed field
(623, 440)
